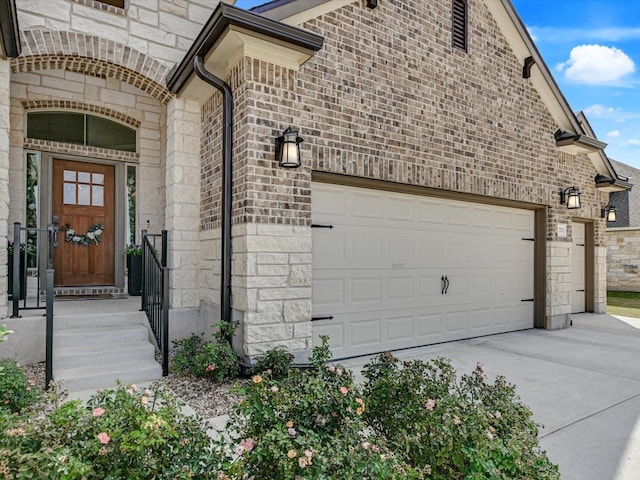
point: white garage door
(398, 270)
(578, 268)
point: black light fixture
(288, 149)
(571, 197)
(609, 212)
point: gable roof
(572, 137)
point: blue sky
(592, 48)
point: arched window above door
(81, 129)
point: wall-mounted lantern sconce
(609, 212)
(288, 149)
(571, 197)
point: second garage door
(395, 270)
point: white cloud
(597, 64)
(633, 141)
(599, 110)
(613, 134)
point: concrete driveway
(583, 385)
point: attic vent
(459, 24)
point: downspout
(227, 184)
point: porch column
(182, 210)
(4, 181)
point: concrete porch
(97, 340)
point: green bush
(216, 360)
(306, 426)
(466, 429)
(17, 392)
(276, 362)
(122, 433)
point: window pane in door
(84, 195)
(98, 196)
(69, 195)
(69, 176)
(97, 179)
(84, 177)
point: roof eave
(226, 16)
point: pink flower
(430, 404)
(210, 368)
(32, 382)
(274, 388)
(338, 371)
(98, 411)
(28, 389)
(104, 438)
(331, 368)
(456, 420)
(148, 392)
(248, 444)
(292, 431)
(308, 453)
(343, 390)
(144, 400)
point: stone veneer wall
(623, 259)
(4, 180)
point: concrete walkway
(583, 385)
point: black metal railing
(155, 290)
(28, 254)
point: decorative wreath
(93, 235)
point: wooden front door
(83, 200)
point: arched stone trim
(91, 55)
(80, 106)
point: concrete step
(99, 376)
(70, 357)
(98, 319)
(113, 335)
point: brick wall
(387, 98)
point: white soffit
(236, 43)
(297, 16)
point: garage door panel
(389, 258)
(480, 319)
(366, 205)
(457, 215)
(365, 290)
(328, 292)
(366, 333)
(400, 288)
(482, 218)
(399, 328)
(456, 321)
(429, 327)
(400, 209)
(327, 199)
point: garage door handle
(315, 319)
(318, 225)
(444, 285)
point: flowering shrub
(454, 429)
(276, 361)
(17, 392)
(123, 433)
(309, 425)
(216, 360)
